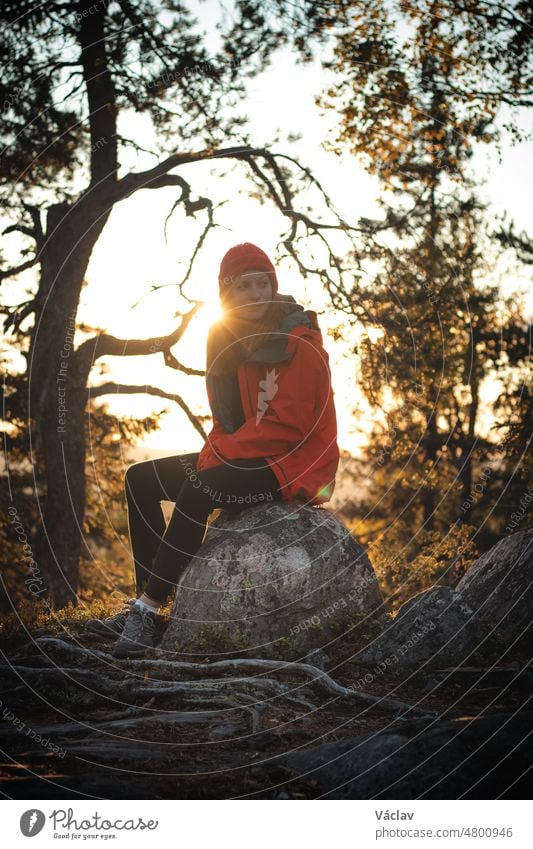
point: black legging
(160, 555)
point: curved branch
(18, 314)
(18, 269)
(143, 179)
(278, 190)
(35, 232)
(172, 362)
(124, 389)
(105, 345)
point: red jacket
(289, 420)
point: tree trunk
(466, 460)
(60, 536)
(58, 392)
(58, 381)
(429, 441)
(430, 455)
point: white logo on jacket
(268, 388)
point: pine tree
(418, 86)
(72, 70)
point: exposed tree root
(317, 680)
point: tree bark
(58, 392)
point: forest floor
(80, 724)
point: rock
(435, 627)
(276, 579)
(443, 626)
(483, 757)
(499, 587)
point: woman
(274, 436)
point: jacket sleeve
(296, 405)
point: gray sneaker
(112, 625)
(138, 633)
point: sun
(210, 312)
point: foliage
(417, 88)
(76, 76)
(406, 565)
(108, 441)
(419, 84)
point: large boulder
(435, 627)
(442, 626)
(275, 579)
(499, 588)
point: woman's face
(250, 295)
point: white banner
(254, 824)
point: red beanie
(244, 257)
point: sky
(132, 254)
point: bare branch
(172, 362)
(104, 345)
(35, 232)
(124, 389)
(18, 228)
(170, 180)
(16, 314)
(127, 142)
(190, 208)
(143, 179)
(18, 269)
(280, 192)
